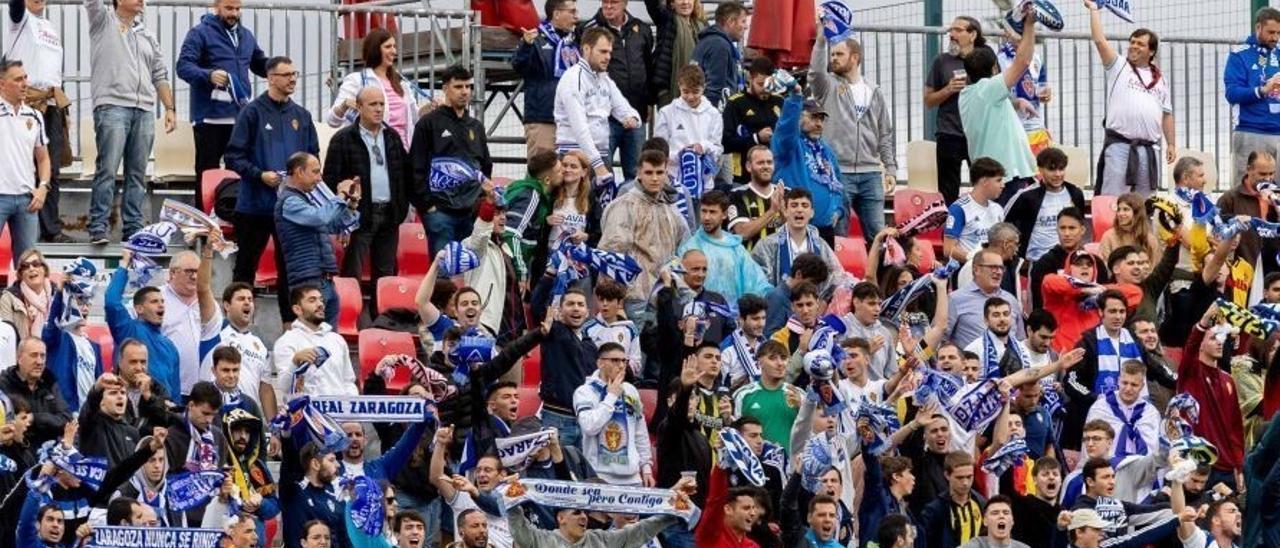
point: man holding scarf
(195, 444)
(739, 349)
(778, 251)
(1247, 199)
(72, 357)
(1253, 87)
(1106, 347)
(1199, 375)
(307, 476)
(805, 161)
(544, 55)
(998, 351)
(143, 325)
(585, 101)
(1139, 112)
(615, 436)
(311, 357)
(249, 477)
(1136, 419)
(460, 493)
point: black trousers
(55, 129)
(211, 144)
(952, 151)
(252, 233)
(377, 238)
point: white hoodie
(585, 100)
(335, 377)
(601, 433)
(684, 126)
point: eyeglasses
(186, 271)
(991, 266)
(293, 74)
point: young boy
(738, 351)
(770, 399)
(612, 325)
(690, 122)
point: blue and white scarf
(815, 460)
(189, 490)
(819, 165)
(695, 172)
(881, 422)
(322, 195)
(470, 447)
(976, 407)
(606, 189)
(516, 452)
(813, 244)
(147, 244)
(615, 440)
(937, 385)
(365, 506)
(736, 455)
(618, 267)
(475, 347)
(773, 455)
(1121, 9)
(892, 308)
(742, 355)
(1110, 358)
(458, 259)
(566, 51)
(1007, 456)
(991, 354)
(202, 450)
(91, 471)
(837, 21)
(1128, 433)
(822, 386)
(306, 424)
(448, 173)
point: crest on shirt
(295, 124)
(620, 338)
(613, 436)
(30, 123)
(444, 134)
(751, 112)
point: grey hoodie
(126, 62)
(861, 141)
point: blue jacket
(62, 359)
(732, 273)
(575, 359)
(790, 155)
(1248, 68)
(536, 63)
(208, 47)
(304, 229)
(1262, 480)
(162, 355)
(720, 60)
(388, 466)
(266, 134)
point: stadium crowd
(665, 283)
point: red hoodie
(1062, 300)
(1220, 420)
(712, 532)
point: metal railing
(310, 34)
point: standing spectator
(641, 223)
(861, 132)
(189, 318)
(942, 87)
(997, 520)
(235, 322)
(1034, 210)
(679, 22)
(806, 161)
(128, 74)
(769, 398)
(778, 252)
(376, 160)
(31, 381)
(402, 101)
(268, 131)
(449, 134)
(544, 55)
(106, 433)
(1139, 112)
(756, 207)
(611, 325)
(529, 205)
(25, 151)
(503, 312)
(991, 125)
(690, 123)
(587, 99)
(1136, 420)
(26, 303)
(1253, 87)
(615, 437)
(145, 324)
(304, 222)
(567, 346)
(1030, 94)
(311, 355)
(740, 348)
(307, 495)
(719, 52)
(1245, 199)
(216, 58)
(629, 69)
(731, 271)
(955, 517)
(73, 357)
(969, 218)
(1107, 347)
(749, 118)
(575, 211)
(1220, 421)
(35, 42)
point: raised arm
(1031, 374)
(1026, 49)
(435, 470)
(204, 284)
(428, 312)
(1105, 51)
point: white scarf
(1110, 357)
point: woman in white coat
(405, 102)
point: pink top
(397, 113)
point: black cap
(812, 106)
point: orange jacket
(1062, 300)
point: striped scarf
(1110, 357)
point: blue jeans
(430, 511)
(864, 193)
(677, 536)
(567, 427)
(627, 142)
(445, 226)
(331, 302)
(122, 134)
(23, 225)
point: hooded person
(148, 485)
(731, 271)
(1066, 295)
(253, 490)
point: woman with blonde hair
(26, 303)
(405, 102)
(678, 22)
(1131, 228)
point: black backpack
(224, 198)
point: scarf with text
(992, 354)
(736, 456)
(516, 452)
(819, 165)
(1012, 453)
(566, 50)
(975, 408)
(1111, 357)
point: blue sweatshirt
(721, 60)
(791, 156)
(63, 357)
(210, 46)
(162, 355)
(1248, 68)
(266, 134)
(536, 63)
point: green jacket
(528, 206)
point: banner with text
(595, 497)
(371, 408)
(153, 537)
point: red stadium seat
(396, 292)
(529, 401)
(271, 527)
(1103, 211)
(413, 257)
(267, 274)
(209, 181)
(101, 334)
(350, 303)
(6, 254)
(649, 399)
(909, 202)
(376, 343)
(855, 226)
(533, 368)
(852, 254)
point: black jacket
(49, 412)
(151, 412)
(716, 54)
(476, 391)
(663, 342)
(1025, 209)
(442, 133)
(176, 447)
(348, 157)
(568, 359)
(632, 61)
(744, 115)
(103, 436)
(683, 447)
(664, 19)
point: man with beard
(473, 530)
(307, 493)
(966, 307)
(1225, 522)
(574, 356)
(195, 443)
(106, 433)
(299, 351)
(144, 324)
(999, 352)
(460, 493)
(756, 207)
(237, 310)
(1158, 364)
(249, 480)
(942, 89)
(572, 532)
(1035, 515)
(730, 270)
(749, 118)
(998, 520)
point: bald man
(376, 160)
(37, 385)
(1244, 199)
(188, 319)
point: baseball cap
(1086, 518)
(812, 106)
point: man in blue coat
(216, 58)
(148, 307)
(719, 54)
(268, 131)
(802, 159)
(541, 58)
(1252, 81)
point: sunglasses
(37, 263)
